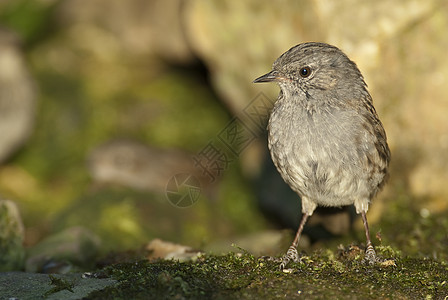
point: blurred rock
(158, 248)
(12, 253)
(136, 165)
(215, 30)
(415, 111)
(400, 48)
(65, 251)
(134, 27)
(17, 96)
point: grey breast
(316, 154)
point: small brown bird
(325, 137)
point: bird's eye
(305, 72)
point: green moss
(59, 284)
(322, 275)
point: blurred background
(102, 102)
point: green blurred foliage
(29, 18)
(89, 95)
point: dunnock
(325, 137)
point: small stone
(12, 253)
(167, 250)
(17, 96)
(58, 253)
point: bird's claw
(291, 254)
(370, 256)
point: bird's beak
(271, 76)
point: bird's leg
(292, 254)
(370, 251)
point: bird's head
(312, 68)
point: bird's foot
(370, 256)
(291, 254)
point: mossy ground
(324, 274)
